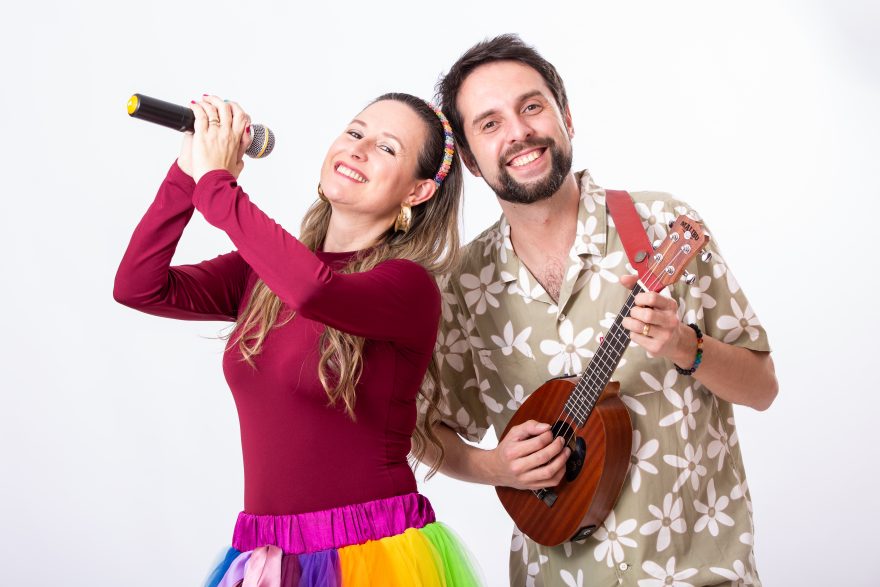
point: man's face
(520, 141)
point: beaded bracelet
(699, 358)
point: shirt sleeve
(460, 405)
(395, 301)
(146, 281)
(715, 301)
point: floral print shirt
(684, 514)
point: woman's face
(371, 168)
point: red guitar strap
(629, 226)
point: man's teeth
(525, 159)
(351, 173)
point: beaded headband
(448, 145)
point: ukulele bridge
(548, 496)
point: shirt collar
(507, 262)
(590, 239)
(592, 229)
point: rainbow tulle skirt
(388, 542)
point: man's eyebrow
(491, 111)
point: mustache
(525, 146)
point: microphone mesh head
(262, 142)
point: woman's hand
(220, 139)
(184, 160)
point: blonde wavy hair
(431, 241)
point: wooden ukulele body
(596, 469)
(588, 413)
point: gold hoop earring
(404, 219)
(321, 195)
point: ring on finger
(646, 329)
(214, 121)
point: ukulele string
(619, 336)
(577, 393)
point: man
(531, 300)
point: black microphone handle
(161, 112)
(181, 118)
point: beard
(510, 190)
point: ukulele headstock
(685, 240)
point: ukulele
(589, 415)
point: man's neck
(549, 225)
(542, 234)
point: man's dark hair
(507, 47)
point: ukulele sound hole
(575, 461)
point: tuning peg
(656, 244)
(706, 256)
(689, 278)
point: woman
(333, 335)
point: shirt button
(561, 317)
(623, 566)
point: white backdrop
(120, 453)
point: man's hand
(654, 325)
(735, 374)
(529, 458)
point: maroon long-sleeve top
(299, 453)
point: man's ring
(646, 330)
(214, 121)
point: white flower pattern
(738, 575)
(712, 510)
(482, 289)
(742, 320)
(517, 397)
(700, 291)
(612, 538)
(685, 471)
(511, 341)
(598, 271)
(721, 442)
(572, 580)
(668, 520)
(690, 466)
(639, 460)
(666, 577)
(568, 351)
(687, 405)
(719, 269)
(450, 349)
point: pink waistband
(333, 528)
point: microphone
(182, 119)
